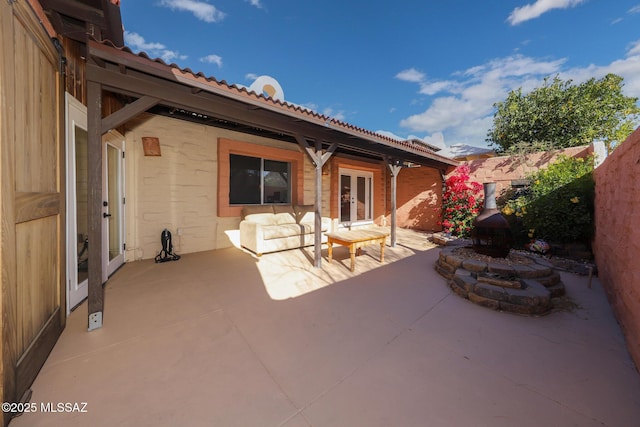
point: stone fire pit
(518, 283)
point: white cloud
(212, 59)
(426, 87)
(256, 3)
(411, 75)
(628, 68)
(137, 43)
(444, 113)
(390, 135)
(534, 10)
(436, 139)
(634, 49)
(338, 115)
(465, 104)
(310, 106)
(201, 10)
(431, 88)
(462, 111)
(251, 76)
(632, 11)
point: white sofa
(270, 228)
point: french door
(79, 245)
(113, 204)
(356, 201)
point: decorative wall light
(151, 146)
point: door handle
(106, 215)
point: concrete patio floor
(222, 338)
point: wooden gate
(32, 194)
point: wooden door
(32, 193)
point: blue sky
(430, 69)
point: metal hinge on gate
(124, 246)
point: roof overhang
(166, 89)
(77, 19)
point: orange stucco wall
(502, 170)
(418, 198)
(617, 238)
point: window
(256, 181)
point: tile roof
(210, 83)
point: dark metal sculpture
(490, 232)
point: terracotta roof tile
(243, 91)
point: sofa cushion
(280, 231)
(284, 214)
(309, 226)
(262, 214)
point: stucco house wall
(178, 190)
(617, 236)
(504, 169)
(182, 189)
(418, 198)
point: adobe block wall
(617, 236)
(179, 188)
(502, 170)
(418, 198)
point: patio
(225, 339)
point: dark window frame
(247, 181)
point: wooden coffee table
(356, 239)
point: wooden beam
(180, 95)
(94, 184)
(332, 148)
(75, 9)
(128, 112)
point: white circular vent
(267, 86)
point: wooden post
(94, 163)
(395, 169)
(319, 159)
(317, 238)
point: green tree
(559, 114)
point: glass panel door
(345, 198)
(113, 207)
(113, 174)
(82, 222)
(78, 245)
(356, 189)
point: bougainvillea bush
(461, 202)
